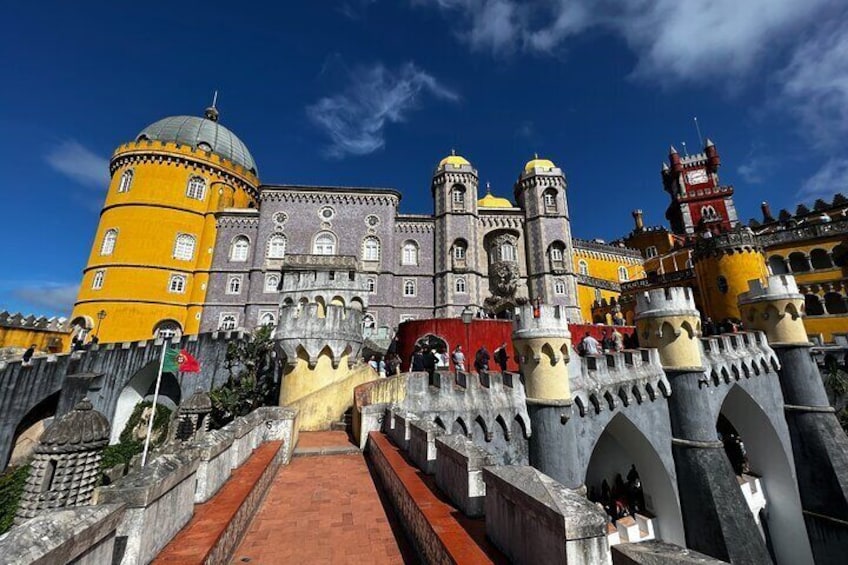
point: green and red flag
(180, 360)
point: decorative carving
(504, 278)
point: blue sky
(375, 92)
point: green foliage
(250, 384)
(120, 454)
(12, 483)
(160, 423)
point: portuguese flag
(180, 360)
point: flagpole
(155, 401)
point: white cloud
(355, 119)
(75, 161)
(827, 181)
(55, 297)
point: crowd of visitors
(622, 499)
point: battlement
(663, 302)
(31, 322)
(303, 327)
(739, 240)
(545, 320)
(730, 357)
(621, 378)
(778, 287)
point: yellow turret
(148, 270)
(542, 342)
(776, 309)
(667, 319)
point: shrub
(12, 483)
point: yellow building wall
(605, 268)
(737, 268)
(148, 218)
(45, 341)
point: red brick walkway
(323, 509)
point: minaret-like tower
(540, 193)
(148, 271)
(715, 515)
(819, 444)
(542, 343)
(455, 189)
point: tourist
(381, 367)
(429, 360)
(27, 358)
(501, 357)
(607, 342)
(459, 359)
(392, 365)
(708, 327)
(372, 362)
(617, 340)
(417, 361)
(481, 360)
(442, 361)
(589, 345)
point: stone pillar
(715, 515)
(66, 467)
(819, 445)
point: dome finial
(453, 152)
(212, 111)
(488, 187)
(535, 155)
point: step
(325, 450)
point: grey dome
(192, 131)
(197, 403)
(81, 428)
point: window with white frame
(549, 198)
(458, 197)
(371, 249)
(598, 295)
(559, 287)
(583, 267)
(371, 283)
(508, 252)
(325, 244)
(459, 249)
(276, 246)
(409, 287)
(409, 255)
(267, 318)
(651, 251)
(369, 322)
(240, 249)
(177, 284)
(126, 181)
(196, 188)
(234, 284)
(184, 247)
(97, 281)
(109, 239)
(556, 253)
(459, 286)
(623, 275)
(272, 281)
(227, 322)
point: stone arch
(519, 426)
(777, 265)
(798, 262)
(357, 304)
(503, 427)
(840, 255)
(620, 445)
(459, 427)
(481, 432)
(813, 305)
(433, 341)
(438, 421)
(140, 387)
(322, 306)
(768, 459)
(820, 259)
(835, 303)
(548, 351)
(167, 329)
(30, 428)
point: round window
(327, 213)
(372, 221)
(280, 218)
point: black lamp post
(100, 316)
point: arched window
(325, 244)
(409, 254)
(126, 181)
(777, 264)
(368, 321)
(798, 262)
(276, 246)
(458, 198)
(97, 281)
(371, 249)
(583, 267)
(549, 199)
(272, 281)
(240, 248)
(623, 275)
(371, 283)
(559, 286)
(813, 305)
(708, 212)
(177, 284)
(556, 253)
(460, 248)
(167, 329)
(234, 284)
(227, 322)
(267, 319)
(459, 285)
(409, 287)
(196, 188)
(507, 251)
(109, 239)
(820, 259)
(835, 303)
(184, 247)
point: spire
(709, 143)
(664, 166)
(453, 152)
(535, 155)
(488, 188)
(212, 111)
(672, 150)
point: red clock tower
(698, 201)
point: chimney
(637, 217)
(767, 217)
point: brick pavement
(324, 509)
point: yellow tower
(542, 341)
(149, 265)
(666, 319)
(723, 266)
(776, 309)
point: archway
(29, 429)
(434, 342)
(766, 458)
(167, 329)
(141, 387)
(619, 448)
(778, 265)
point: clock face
(697, 176)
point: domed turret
(454, 160)
(536, 163)
(492, 201)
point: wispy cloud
(79, 163)
(356, 119)
(55, 297)
(757, 166)
(831, 178)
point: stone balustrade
(422, 444)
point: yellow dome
(454, 159)
(490, 201)
(538, 164)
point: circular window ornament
(280, 218)
(326, 213)
(372, 221)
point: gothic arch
(459, 427)
(140, 387)
(620, 445)
(31, 426)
